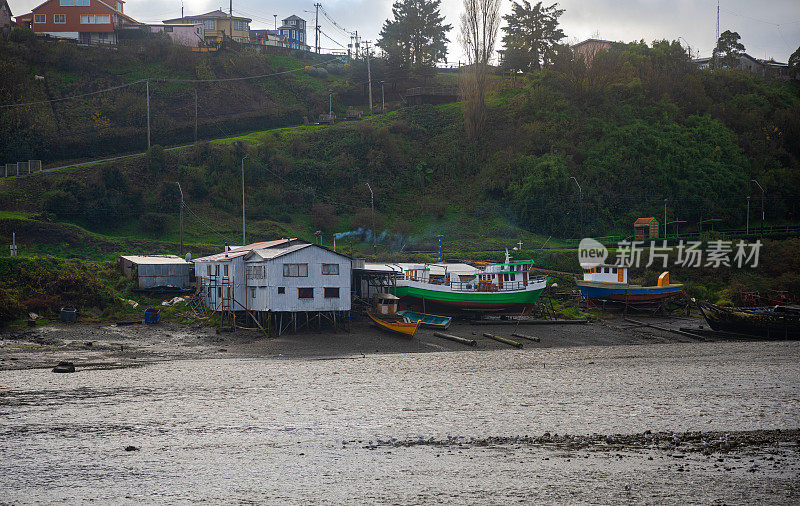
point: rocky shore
(93, 346)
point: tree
(728, 50)
(794, 64)
(480, 23)
(416, 39)
(531, 35)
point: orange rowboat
(400, 327)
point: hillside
(638, 127)
(116, 121)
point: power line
(76, 96)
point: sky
(769, 28)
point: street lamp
(180, 190)
(372, 204)
(665, 218)
(763, 193)
(747, 229)
(330, 104)
(383, 98)
(580, 196)
(243, 236)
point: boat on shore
(509, 287)
(772, 322)
(609, 283)
(398, 326)
(427, 320)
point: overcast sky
(769, 28)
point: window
(87, 19)
(209, 292)
(168, 29)
(119, 6)
(103, 18)
(208, 269)
(253, 292)
(40, 18)
(240, 25)
(102, 35)
(216, 270)
(295, 270)
(67, 3)
(281, 290)
(209, 24)
(330, 269)
(225, 270)
(59, 18)
(331, 293)
(219, 291)
(305, 293)
(82, 3)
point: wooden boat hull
(756, 321)
(515, 302)
(403, 328)
(619, 292)
(427, 320)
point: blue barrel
(69, 314)
(152, 315)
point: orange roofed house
(646, 228)
(87, 21)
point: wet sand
(110, 345)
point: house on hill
(87, 21)
(761, 68)
(590, 47)
(645, 228)
(218, 25)
(293, 30)
(5, 18)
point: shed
(646, 228)
(157, 271)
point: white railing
(485, 286)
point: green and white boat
(508, 287)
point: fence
(22, 168)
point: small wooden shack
(646, 228)
(157, 271)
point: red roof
(644, 222)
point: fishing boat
(508, 287)
(771, 322)
(399, 326)
(427, 320)
(609, 283)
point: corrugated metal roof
(154, 259)
(270, 253)
(243, 250)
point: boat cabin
(386, 303)
(606, 274)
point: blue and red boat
(609, 283)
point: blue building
(293, 30)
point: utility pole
(244, 241)
(383, 98)
(763, 193)
(195, 113)
(747, 229)
(580, 196)
(276, 20)
(231, 23)
(369, 78)
(665, 218)
(148, 113)
(356, 36)
(716, 42)
(316, 29)
(330, 104)
(372, 204)
(180, 190)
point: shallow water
(272, 430)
